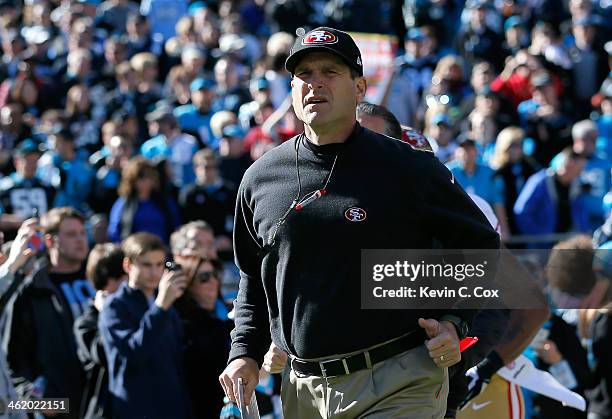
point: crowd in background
(142, 117)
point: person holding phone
(142, 335)
(42, 350)
(12, 272)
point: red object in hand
(36, 242)
(466, 343)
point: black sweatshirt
(306, 288)
(600, 397)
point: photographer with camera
(142, 335)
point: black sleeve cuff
(242, 352)
(461, 325)
(490, 365)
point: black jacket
(91, 353)
(600, 397)
(207, 340)
(306, 287)
(214, 204)
(42, 341)
(514, 177)
(565, 337)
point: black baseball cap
(327, 39)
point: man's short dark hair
(138, 244)
(204, 155)
(52, 220)
(105, 262)
(392, 126)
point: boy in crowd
(141, 333)
(105, 270)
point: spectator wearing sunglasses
(207, 331)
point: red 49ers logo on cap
(319, 37)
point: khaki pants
(407, 386)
